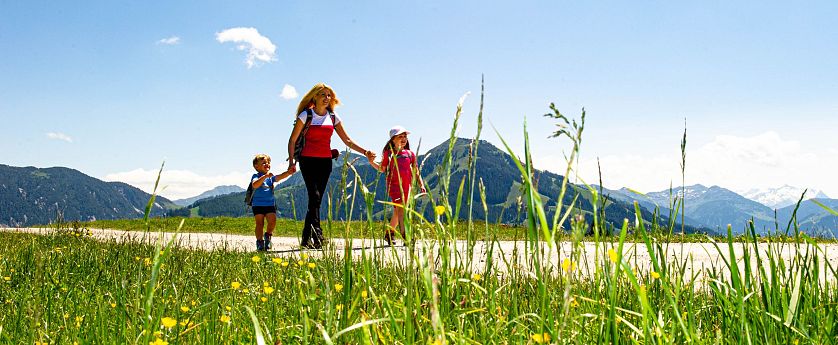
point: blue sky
(113, 88)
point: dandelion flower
(158, 341)
(168, 322)
(235, 285)
(268, 290)
(285, 264)
(339, 307)
(476, 277)
(277, 260)
(246, 291)
(224, 318)
(439, 210)
(541, 338)
(612, 255)
(304, 256)
(7, 278)
(264, 299)
(113, 305)
(184, 309)
(255, 259)
(364, 294)
(568, 265)
(655, 275)
(338, 287)
(301, 263)
(228, 308)
(311, 265)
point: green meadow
(67, 288)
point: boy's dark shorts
(266, 210)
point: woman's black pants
(316, 173)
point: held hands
(292, 168)
(370, 155)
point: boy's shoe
(388, 238)
(260, 245)
(267, 238)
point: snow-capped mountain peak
(782, 196)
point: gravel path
(697, 256)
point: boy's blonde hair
(259, 158)
(308, 99)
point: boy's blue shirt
(262, 196)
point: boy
(263, 201)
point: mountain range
(30, 195)
(220, 190)
(782, 196)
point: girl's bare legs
(398, 218)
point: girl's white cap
(396, 130)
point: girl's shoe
(267, 239)
(388, 237)
(260, 245)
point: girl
(316, 121)
(398, 162)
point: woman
(316, 156)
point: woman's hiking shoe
(260, 245)
(267, 239)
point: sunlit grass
(66, 287)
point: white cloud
(736, 163)
(259, 48)
(177, 184)
(169, 41)
(288, 92)
(59, 136)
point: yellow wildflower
(439, 210)
(225, 318)
(228, 308)
(364, 294)
(246, 291)
(184, 309)
(338, 287)
(541, 338)
(168, 322)
(339, 307)
(476, 277)
(568, 265)
(147, 261)
(304, 256)
(268, 290)
(655, 275)
(301, 263)
(113, 305)
(612, 255)
(285, 264)
(311, 265)
(255, 259)
(264, 299)
(235, 285)
(7, 278)
(277, 260)
(158, 341)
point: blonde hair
(259, 158)
(308, 99)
